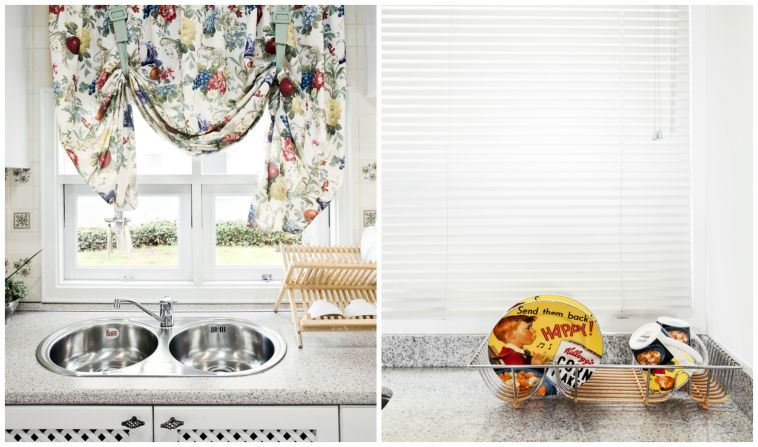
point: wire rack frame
(617, 383)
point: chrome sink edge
(160, 363)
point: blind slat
(518, 158)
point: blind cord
(658, 133)
(621, 166)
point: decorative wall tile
(369, 171)
(369, 218)
(22, 176)
(18, 176)
(22, 220)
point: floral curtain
(202, 76)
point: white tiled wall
(362, 121)
(25, 197)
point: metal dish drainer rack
(613, 383)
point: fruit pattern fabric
(202, 76)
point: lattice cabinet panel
(37, 423)
(247, 423)
(247, 435)
(67, 435)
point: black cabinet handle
(172, 424)
(133, 423)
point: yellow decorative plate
(542, 330)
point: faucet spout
(166, 318)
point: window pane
(65, 165)
(155, 153)
(243, 158)
(238, 245)
(150, 238)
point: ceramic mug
(653, 346)
(652, 336)
(680, 330)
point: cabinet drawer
(80, 423)
(243, 423)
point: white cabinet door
(80, 423)
(357, 423)
(246, 423)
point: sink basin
(226, 346)
(139, 347)
(96, 347)
(386, 396)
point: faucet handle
(166, 311)
(166, 304)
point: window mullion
(198, 244)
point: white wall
(20, 195)
(362, 119)
(723, 123)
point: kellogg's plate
(543, 330)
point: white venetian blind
(534, 150)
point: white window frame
(196, 287)
(183, 269)
(211, 270)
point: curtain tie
(281, 25)
(118, 19)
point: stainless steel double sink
(138, 347)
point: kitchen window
(188, 231)
(535, 150)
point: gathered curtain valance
(202, 76)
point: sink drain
(221, 368)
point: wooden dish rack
(613, 383)
(334, 274)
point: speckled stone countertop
(454, 404)
(332, 368)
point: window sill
(608, 322)
(182, 307)
(149, 291)
(180, 284)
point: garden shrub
(92, 238)
(163, 232)
(151, 234)
(236, 234)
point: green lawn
(248, 256)
(166, 255)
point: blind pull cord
(658, 132)
(117, 15)
(281, 28)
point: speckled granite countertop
(332, 368)
(454, 404)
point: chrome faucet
(166, 306)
